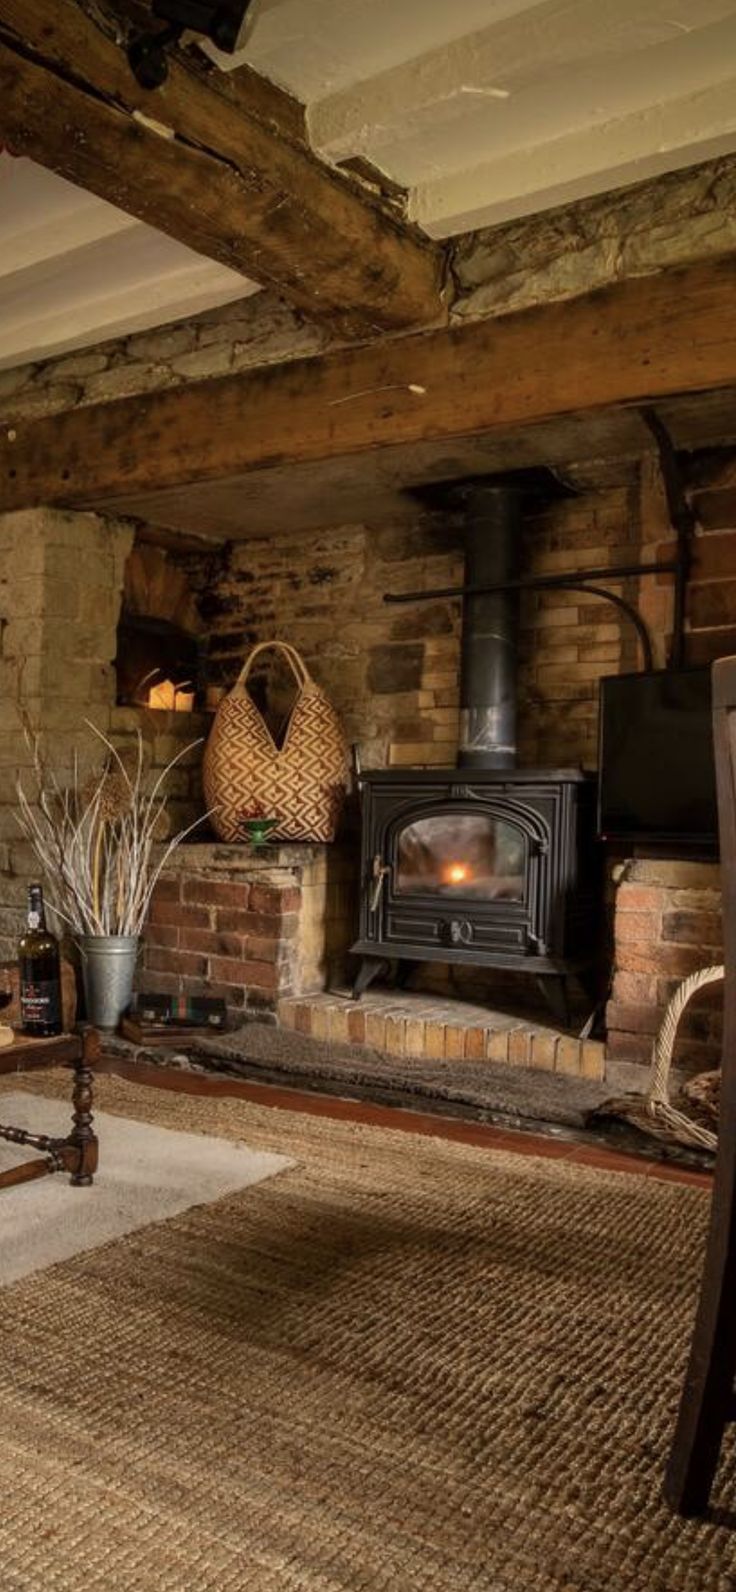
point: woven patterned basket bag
(302, 782)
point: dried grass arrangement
(97, 839)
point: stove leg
(597, 995)
(404, 970)
(370, 968)
(554, 989)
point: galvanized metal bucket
(108, 967)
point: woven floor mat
(146, 1174)
(403, 1364)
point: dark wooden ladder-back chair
(708, 1401)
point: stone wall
(673, 220)
(167, 738)
(393, 673)
(259, 330)
(61, 585)
(58, 643)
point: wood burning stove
(486, 864)
(489, 867)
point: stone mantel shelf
(129, 716)
(296, 857)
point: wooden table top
(58, 1048)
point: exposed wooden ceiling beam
(587, 450)
(120, 20)
(194, 160)
(636, 342)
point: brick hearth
(416, 1025)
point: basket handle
(293, 658)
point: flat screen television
(657, 775)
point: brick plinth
(667, 924)
(249, 928)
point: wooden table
(78, 1152)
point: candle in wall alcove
(163, 696)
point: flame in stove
(457, 873)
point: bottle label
(40, 1002)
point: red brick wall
(393, 672)
(233, 939)
(668, 914)
(667, 924)
(569, 639)
(711, 611)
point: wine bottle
(40, 972)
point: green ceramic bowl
(257, 830)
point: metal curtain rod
(535, 582)
(576, 582)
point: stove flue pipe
(493, 524)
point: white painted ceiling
(75, 271)
(484, 110)
(491, 109)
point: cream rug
(404, 1365)
(146, 1175)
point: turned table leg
(82, 1144)
(78, 1152)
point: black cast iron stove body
(487, 867)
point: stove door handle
(380, 869)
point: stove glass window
(463, 855)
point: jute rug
(146, 1174)
(404, 1364)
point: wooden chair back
(707, 1402)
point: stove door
(460, 856)
(461, 879)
